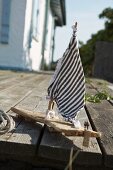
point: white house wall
(33, 55)
(31, 48)
(36, 46)
(48, 46)
(24, 50)
(26, 36)
(11, 53)
(0, 15)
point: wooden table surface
(34, 143)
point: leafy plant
(98, 97)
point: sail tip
(74, 27)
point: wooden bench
(32, 146)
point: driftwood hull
(59, 125)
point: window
(35, 15)
(5, 21)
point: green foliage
(98, 97)
(87, 51)
(107, 13)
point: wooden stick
(73, 131)
(51, 105)
(57, 124)
(37, 116)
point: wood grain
(56, 146)
(101, 116)
(36, 141)
(24, 138)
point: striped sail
(67, 86)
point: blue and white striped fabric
(67, 86)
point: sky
(85, 12)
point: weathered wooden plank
(58, 165)
(102, 86)
(57, 147)
(6, 73)
(13, 94)
(13, 81)
(7, 99)
(23, 140)
(38, 96)
(101, 115)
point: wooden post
(86, 139)
(51, 105)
